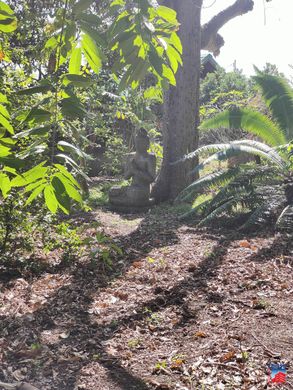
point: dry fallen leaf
(228, 356)
(177, 364)
(200, 334)
(244, 244)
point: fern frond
(278, 96)
(251, 121)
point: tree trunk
(181, 106)
(180, 135)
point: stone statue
(141, 168)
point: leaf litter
(183, 308)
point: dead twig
(268, 351)
(17, 386)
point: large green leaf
(5, 184)
(226, 151)
(38, 115)
(77, 80)
(92, 53)
(40, 131)
(278, 96)
(72, 108)
(75, 61)
(64, 145)
(166, 13)
(36, 89)
(50, 198)
(251, 121)
(5, 123)
(32, 175)
(70, 189)
(8, 21)
(4, 112)
(39, 188)
(94, 34)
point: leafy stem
(55, 127)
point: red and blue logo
(277, 372)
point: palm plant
(265, 190)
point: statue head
(142, 141)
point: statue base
(132, 209)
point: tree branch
(210, 39)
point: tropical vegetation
(262, 191)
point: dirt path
(180, 309)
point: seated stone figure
(141, 168)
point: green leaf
(81, 6)
(248, 120)
(32, 186)
(278, 96)
(5, 9)
(72, 108)
(94, 34)
(4, 151)
(77, 80)
(176, 42)
(67, 174)
(75, 61)
(66, 145)
(4, 112)
(169, 75)
(5, 184)
(35, 193)
(50, 198)
(5, 123)
(12, 162)
(38, 172)
(156, 61)
(61, 195)
(72, 192)
(91, 19)
(38, 115)
(33, 90)
(40, 131)
(8, 25)
(3, 98)
(167, 13)
(92, 53)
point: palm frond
(245, 200)
(285, 220)
(251, 121)
(278, 96)
(195, 210)
(219, 178)
(234, 149)
(212, 148)
(261, 215)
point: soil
(180, 308)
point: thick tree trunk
(181, 105)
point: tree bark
(181, 105)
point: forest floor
(180, 308)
